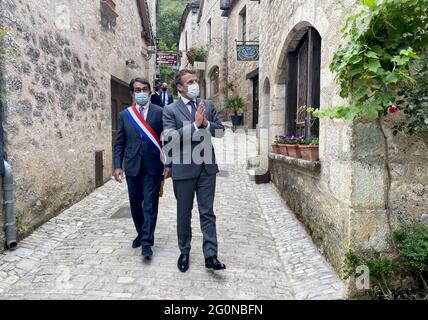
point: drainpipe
(10, 219)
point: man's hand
(167, 172)
(118, 175)
(200, 115)
(205, 124)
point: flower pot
(283, 149)
(236, 120)
(275, 148)
(310, 153)
(293, 151)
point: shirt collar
(145, 107)
(186, 101)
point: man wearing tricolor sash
(138, 152)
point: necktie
(163, 98)
(142, 111)
(193, 108)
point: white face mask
(193, 91)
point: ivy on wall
(382, 67)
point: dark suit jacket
(178, 125)
(156, 99)
(134, 149)
(168, 100)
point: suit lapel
(150, 114)
(183, 109)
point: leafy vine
(378, 69)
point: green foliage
(167, 74)
(168, 23)
(235, 103)
(280, 140)
(386, 39)
(412, 245)
(414, 100)
(412, 241)
(312, 141)
(21, 225)
(196, 54)
(381, 269)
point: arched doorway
(214, 77)
(300, 71)
(303, 87)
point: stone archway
(213, 81)
(299, 74)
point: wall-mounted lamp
(149, 54)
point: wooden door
(120, 100)
(255, 102)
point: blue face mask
(141, 98)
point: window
(303, 85)
(108, 14)
(209, 31)
(243, 24)
(214, 81)
(186, 43)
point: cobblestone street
(85, 252)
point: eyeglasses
(138, 90)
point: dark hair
(181, 74)
(139, 80)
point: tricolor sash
(143, 127)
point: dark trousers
(184, 190)
(143, 193)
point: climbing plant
(377, 69)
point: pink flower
(393, 109)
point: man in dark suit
(166, 97)
(189, 125)
(156, 96)
(143, 165)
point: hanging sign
(247, 52)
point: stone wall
(216, 48)
(2, 218)
(322, 202)
(343, 206)
(191, 29)
(55, 93)
(239, 69)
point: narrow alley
(85, 252)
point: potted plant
(235, 103)
(310, 149)
(279, 146)
(275, 145)
(196, 54)
(293, 146)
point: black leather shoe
(136, 243)
(183, 262)
(146, 252)
(213, 263)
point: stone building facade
(342, 199)
(64, 75)
(189, 36)
(209, 32)
(217, 31)
(367, 180)
(243, 26)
